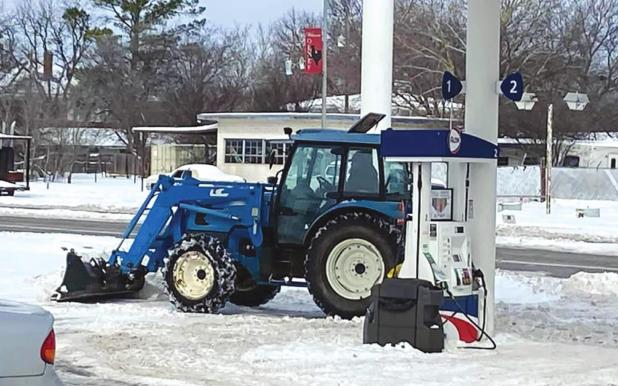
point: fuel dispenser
(438, 247)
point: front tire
(199, 274)
(346, 258)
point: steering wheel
(325, 185)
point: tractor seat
(363, 176)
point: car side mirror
(271, 158)
(272, 180)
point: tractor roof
(335, 136)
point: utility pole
(549, 157)
(324, 61)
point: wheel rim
(353, 266)
(193, 275)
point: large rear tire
(346, 258)
(199, 274)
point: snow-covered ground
(550, 332)
(111, 195)
(562, 230)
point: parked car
(27, 346)
(199, 171)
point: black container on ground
(405, 310)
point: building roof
(209, 127)
(348, 119)
(335, 136)
(7, 136)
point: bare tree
(284, 40)
(429, 39)
(208, 72)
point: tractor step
(94, 280)
(288, 283)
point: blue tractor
(328, 221)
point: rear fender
(387, 209)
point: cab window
(362, 176)
(396, 180)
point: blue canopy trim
(424, 144)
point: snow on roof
(352, 118)
(401, 104)
(4, 184)
(518, 141)
(208, 128)
(591, 139)
(7, 136)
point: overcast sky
(228, 12)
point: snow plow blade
(94, 280)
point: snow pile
(517, 288)
(605, 284)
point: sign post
(549, 157)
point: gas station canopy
(436, 146)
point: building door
(612, 163)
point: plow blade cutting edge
(94, 280)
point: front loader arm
(229, 204)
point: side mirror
(339, 150)
(272, 180)
(271, 158)
(288, 131)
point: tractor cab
(330, 167)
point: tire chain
(225, 271)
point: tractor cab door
(309, 188)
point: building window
(234, 151)
(254, 151)
(282, 148)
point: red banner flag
(313, 50)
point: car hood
(23, 328)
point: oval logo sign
(454, 141)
